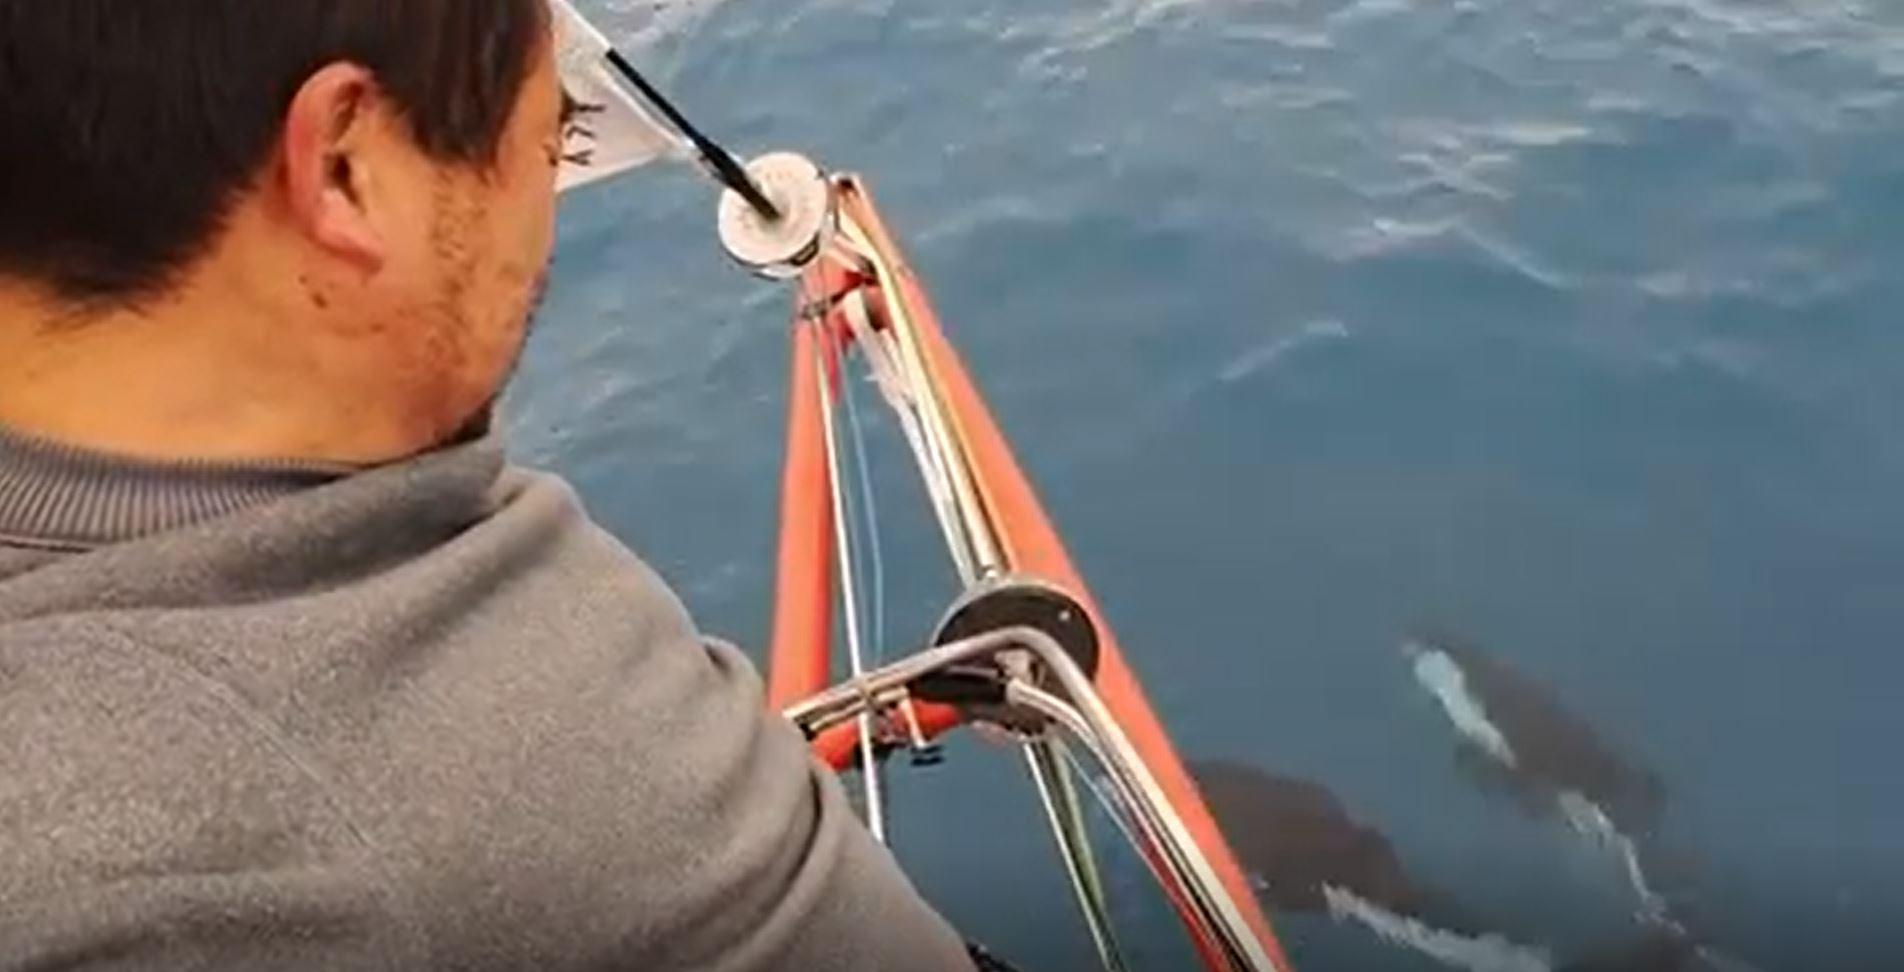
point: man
(295, 672)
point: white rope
(869, 758)
(935, 427)
(868, 505)
(899, 391)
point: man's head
(330, 217)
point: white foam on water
(1269, 354)
(1444, 679)
(1487, 953)
(642, 24)
(1721, 962)
(1591, 821)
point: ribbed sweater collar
(61, 497)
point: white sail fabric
(615, 130)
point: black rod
(726, 168)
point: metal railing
(1046, 695)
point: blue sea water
(1569, 327)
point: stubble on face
(490, 245)
(471, 338)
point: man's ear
(327, 148)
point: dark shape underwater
(1554, 751)
(1297, 837)
(1664, 950)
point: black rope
(726, 169)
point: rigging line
(1049, 771)
(860, 528)
(1083, 715)
(985, 555)
(877, 350)
(1121, 814)
(939, 491)
(825, 350)
(1106, 802)
(868, 505)
(896, 385)
(850, 496)
(902, 387)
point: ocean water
(1570, 328)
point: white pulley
(780, 248)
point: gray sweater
(420, 717)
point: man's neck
(183, 379)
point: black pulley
(1009, 602)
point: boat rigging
(1023, 651)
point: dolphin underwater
(1298, 839)
(1518, 734)
(1309, 855)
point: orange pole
(800, 665)
(1037, 549)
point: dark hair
(127, 127)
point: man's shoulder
(117, 767)
(143, 814)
